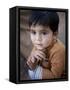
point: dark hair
(45, 18)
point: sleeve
(57, 65)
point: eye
(33, 32)
(44, 33)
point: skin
(41, 37)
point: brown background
(25, 42)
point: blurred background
(25, 42)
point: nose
(38, 37)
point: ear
(55, 34)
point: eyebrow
(40, 30)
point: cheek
(32, 38)
(47, 40)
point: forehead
(39, 28)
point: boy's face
(41, 36)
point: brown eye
(33, 32)
(44, 33)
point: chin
(39, 48)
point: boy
(47, 59)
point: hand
(35, 57)
(30, 63)
(46, 64)
(38, 55)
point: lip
(39, 44)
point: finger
(33, 59)
(40, 55)
(38, 52)
(30, 64)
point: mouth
(39, 44)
